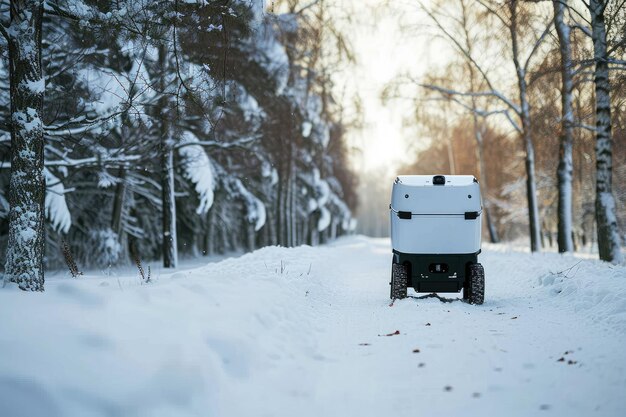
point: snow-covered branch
(92, 162)
(222, 145)
(585, 126)
(79, 125)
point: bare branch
(620, 62)
(515, 125)
(546, 31)
(307, 6)
(492, 93)
(571, 10)
(585, 126)
(583, 29)
(494, 12)
(470, 58)
(452, 96)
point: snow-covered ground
(303, 332)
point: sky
(383, 51)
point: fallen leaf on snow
(391, 334)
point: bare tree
(606, 219)
(565, 167)
(524, 114)
(521, 109)
(478, 127)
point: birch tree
(526, 128)
(609, 246)
(565, 167)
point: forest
(533, 103)
(138, 130)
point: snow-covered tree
(565, 168)
(25, 250)
(609, 242)
(174, 126)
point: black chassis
(436, 272)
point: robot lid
(436, 194)
(430, 180)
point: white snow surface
(301, 332)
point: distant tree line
(533, 104)
(143, 129)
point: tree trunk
(117, 217)
(118, 204)
(478, 136)
(449, 145)
(288, 206)
(25, 249)
(482, 174)
(280, 212)
(293, 198)
(531, 191)
(250, 237)
(606, 219)
(565, 168)
(531, 188)
(209, 237)
(271, 238)
(170, 250)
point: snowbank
(302, 331)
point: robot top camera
(435, 235)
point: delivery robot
(435, 236)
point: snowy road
(284, 332)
